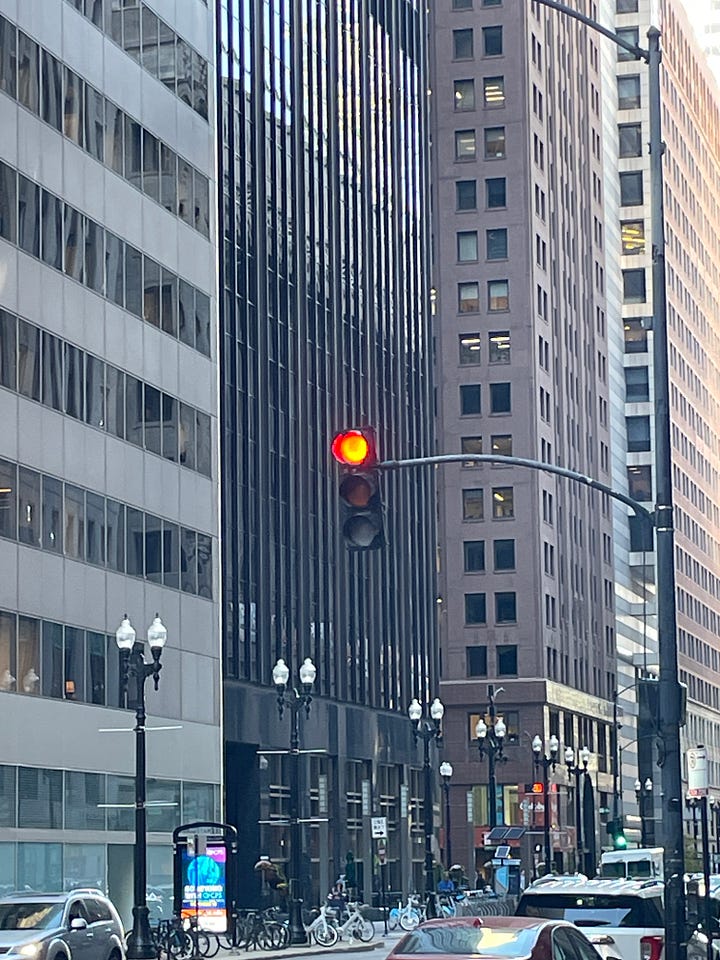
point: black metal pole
(546, 818)
(707, 902)
(140, 944)
(383, 896)
(448, 833)
(297, 930)
(427, 733)
(578, 821)
(492, 781)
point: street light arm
(633, 48)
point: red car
(495, 938)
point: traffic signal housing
(359, 489)
(616, 831)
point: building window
(465, 147)
(628, 92)
(464, 94)
(500, 398)
(494, 143)
(472, 445)
(495, 193)
(638, 434)
(470, 354)
(499, 346)
(492, 41)
(494, 91)
(470, 399)
(503, 503)
(463, 44)
(631, 188)
(636, 329)
(629, 35)
(469, 297)
(501, 445)
(466, 195)
(630, 139)
(498, 296)
(496, 244)
(506, 660)
(634, 286)
(632, 235)
(474, 556)
(475, 613)
(476, 662)
(467, 246)
(503, 555)
(505, 607)
(626, 6)
(640, 482)
(473, 504)
(637, 385)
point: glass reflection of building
(324, 324)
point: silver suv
(79, 925)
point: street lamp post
(577, 771)
(669, 691)
(642, 792)
(427, 730)
(296, 700)
(490, 733)
(134, 672)
(547, 762)
(715, 809)
(446, 772)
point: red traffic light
(354, 448)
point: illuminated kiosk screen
(203, 882)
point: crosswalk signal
(362, 509)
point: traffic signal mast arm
(636, 506)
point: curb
(311, 950)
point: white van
(642, 863)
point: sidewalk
(311, 950)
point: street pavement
(375, 950)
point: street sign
(379, 828)
(697, 772)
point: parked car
(79, 925)
(495, 938)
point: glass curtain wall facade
(109, 412)
(324, 325)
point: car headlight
(29, 950)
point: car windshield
(29, 916)
(635, 869)
(469, 941)
(593, 911)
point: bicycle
(412, 913)
(356, 925)
(177, 938)
(322, 930)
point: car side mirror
(78, 923)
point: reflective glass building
(324, 323)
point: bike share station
(205, 874)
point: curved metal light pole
(446, 772)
